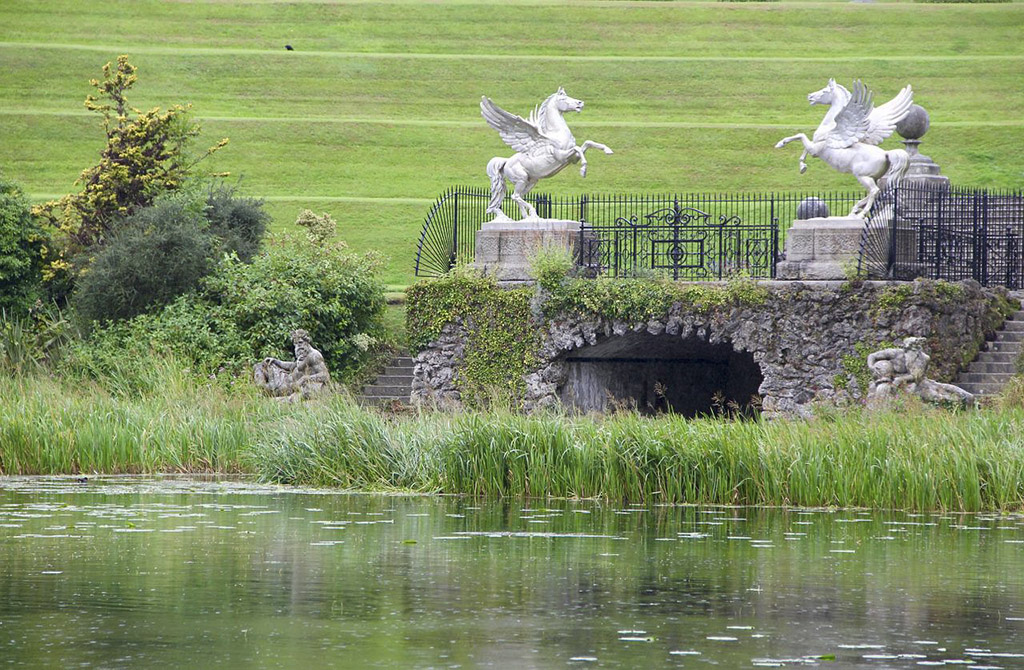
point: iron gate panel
(681, 242)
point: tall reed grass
(49, 426)
(913, 458)
(919, 458)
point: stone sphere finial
(915, 124)
(812, 208)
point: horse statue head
(564, 103)
(833, 93)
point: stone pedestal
(922, 169)
(821, 248)
(504, 249)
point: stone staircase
(392, 386)
(990, 371)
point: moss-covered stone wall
(810, 339)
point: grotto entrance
(661, 373)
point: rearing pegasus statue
(544, 146)
(849, 133)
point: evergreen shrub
(242, 313)
(239, 223)
(21, 241)
(160, 253)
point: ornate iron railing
(682, 236)
(946, 233)
(680, 242)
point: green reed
(50, 427)
(915, 458)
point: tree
(160, 252)
(146, 155)
(21, 242)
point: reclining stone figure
(295, 380)
(902, 369)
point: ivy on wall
(501, 337)
(503, 328)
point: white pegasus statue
(849, 133)
(544, 146)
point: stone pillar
(922, 169)
(821, 248)
(504, 248)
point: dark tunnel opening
(655, 374)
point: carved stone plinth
(504, 249)
(821, 248)
(922, 169)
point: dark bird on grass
(288, 47)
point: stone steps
(995, 365)
(393, 384)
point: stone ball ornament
(812, 208)
(915, 124)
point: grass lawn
(375, 112)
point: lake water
(177, 573)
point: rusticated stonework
(799, 336)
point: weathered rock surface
(799, 337)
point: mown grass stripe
(475, 123)
(292, 198)
(388, 55)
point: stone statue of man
(294, 380)
(904, 369)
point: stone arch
(654, 373)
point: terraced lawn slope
(375, 111)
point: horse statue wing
(882, 122)
(515, 131)
(859, 121)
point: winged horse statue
(848, 136)
(544, 146)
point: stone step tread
(375, 390)
(1009, 335)
(394, 380)
(985, 377)
(402, 361)
(995, 357)
(1002, 347)
(398, 370)
(986, 367)
(1014, 326)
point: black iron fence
(913, 231)
(946, 233)
(683, 239)
(681, 236)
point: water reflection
(168, 572)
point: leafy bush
(238, 222)
(160, 253)
(21, 241)
(245, 312)
(331, 294)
